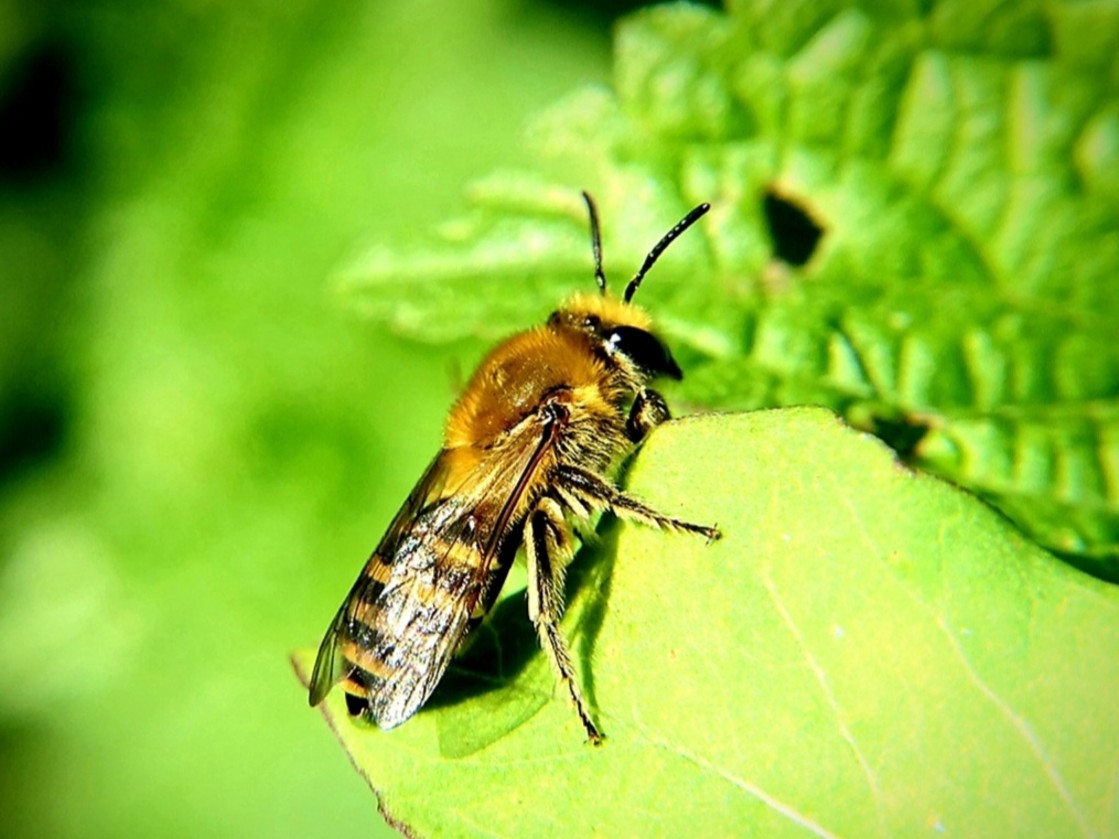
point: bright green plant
(869, 651)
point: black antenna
(682, 225)
(596, 243)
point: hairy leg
(548, 547)
(593, 492)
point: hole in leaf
(36, 110)
(902, 434)
(794, 233)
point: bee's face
(618, 331)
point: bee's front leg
(587, 490)
(649, 410)
(548, 547)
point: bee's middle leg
(548, 546)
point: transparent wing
(408, 611)
(330, 665)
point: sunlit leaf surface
(867, 652)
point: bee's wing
(330, 664)
(403, 641)
(439, 584)
(397, 637)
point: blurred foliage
(197, 445)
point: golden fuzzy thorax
(514, 378)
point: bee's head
(617, 327)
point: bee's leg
(649, 410)
(592, 492)
(547, 546)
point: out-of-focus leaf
(221, 439)
(866, 652)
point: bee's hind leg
(589, 491)
(548, 547)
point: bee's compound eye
(644, 349)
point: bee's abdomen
(406, 624)
(395, 674)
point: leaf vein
(1022, 727)
(1017, 722)
(757, 792)
(829, 696)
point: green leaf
(962, 164)
(866, 652)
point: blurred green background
(198, 444)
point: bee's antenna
(596, 243)
(682, 225)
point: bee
(527, 449)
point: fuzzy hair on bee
(529, 447)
